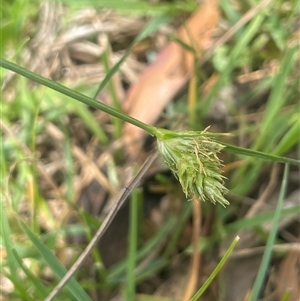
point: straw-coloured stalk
(192, 157)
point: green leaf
(76, 95)
(289, 139)
(40, 288)
(117, 272)
(151, 27)
(59, 270)
(262, 272)
(215, 272)
(276, 99)
(132, 245)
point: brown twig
(107, 221)
(196, 257)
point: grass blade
(276, 99)
(6, 234)
(132, 246)
(11, 262)
(289, 139)
(216, 271)
(271, 240)
(76, 95)
(73, 286)
(152, 26)
(40, 288)
(117, 273)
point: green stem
(132, 246)
(76, 95)
(215, 272)
(257, 154)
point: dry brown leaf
(166, 76)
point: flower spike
(192, 158)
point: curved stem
(76, 95)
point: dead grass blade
(107, 221)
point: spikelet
(192, 157)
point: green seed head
(192, 157)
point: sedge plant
(192, 156)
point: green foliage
(16, 27)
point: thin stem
(132, 246)
(257, 154)
(76, 95)
(215, 271)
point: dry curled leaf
(167, 75)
